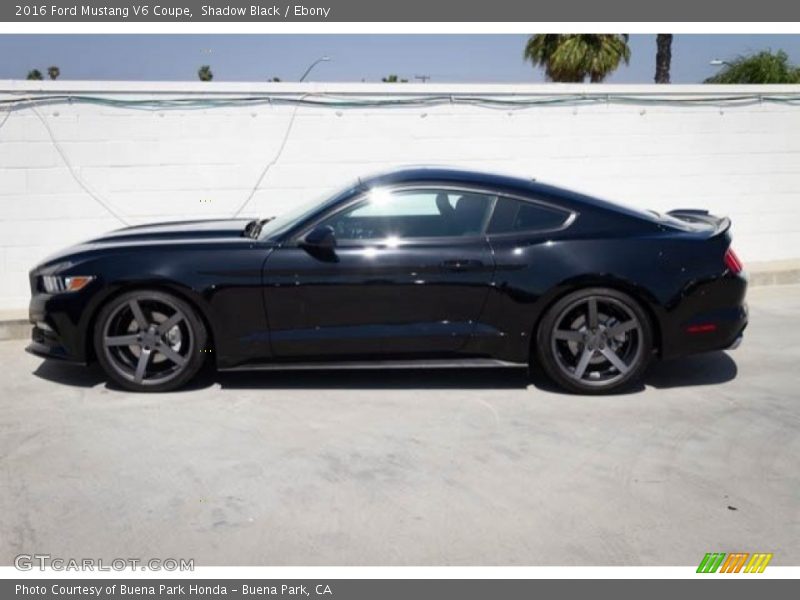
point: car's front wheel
(149, 341)
(594, 341)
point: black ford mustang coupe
(417, 267)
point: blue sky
(445, 58)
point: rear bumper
(709, 316)
(735, 343)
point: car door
(409, 275)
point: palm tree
(204, 73)
(663, 57)
(763, 67)
(574, 57)
(53, 72)
(34, 75)
(541, 50)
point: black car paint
(272, 299)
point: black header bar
(177, 11)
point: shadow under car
(702, 369)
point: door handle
(462, 265)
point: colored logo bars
(734, 563)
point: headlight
(55, 284)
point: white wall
(743, 161)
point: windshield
(281, 223)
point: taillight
(732, 262)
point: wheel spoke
(597, 340)
(141, 366)
(171, 355)
(165, 326)
(592, 312)
(141, 320)
(580, 369)
(568, 334)
(620, 328)
(615, 360)
(147, 340)
(122, 340)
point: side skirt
(484, 363)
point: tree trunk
(663, 57)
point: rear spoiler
(699, 216)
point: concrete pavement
(411, 468)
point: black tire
(154, 329)
(602, 357)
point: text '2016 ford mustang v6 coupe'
(417, 267)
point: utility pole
(314, 64)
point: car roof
(444, 174)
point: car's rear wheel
(149, 341)
(594, 341)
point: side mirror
(320, 238)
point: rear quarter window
(513, 216)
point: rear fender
(640, 294)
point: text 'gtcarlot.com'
(28, 562)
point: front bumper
(57, 327)
(49, 347)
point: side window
(413, 213)
(512, 216)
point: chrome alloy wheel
(597, 340)
(148, 340)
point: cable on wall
(8, 114)
(75, 175)
(322, 100)
(271, 163)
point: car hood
(176, 230)
(173, 233)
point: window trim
(352, 243)
(571, 216)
